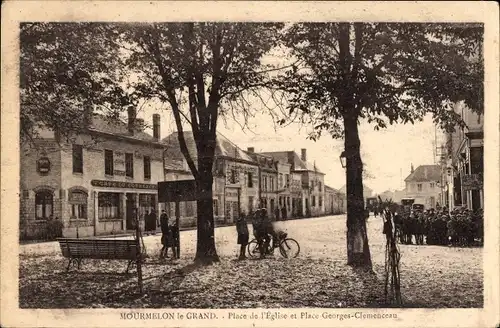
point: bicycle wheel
(289, 248)
(253, 249)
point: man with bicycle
(263, 231)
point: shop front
(118, 203)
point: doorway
(130, 210)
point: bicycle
(289, 247)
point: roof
(292, 158)
(115, 126)
(425, 173)
(224, 147)
(330, 189)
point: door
(130, 211)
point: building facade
(462, 162)
(95, 182)
(335, 201)
(312, 192)
(236, 179)
(423, 184)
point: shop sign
(120, 184)
(43, 165)
(472, 182)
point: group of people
(460, 227)
(263, 230)
(169, 237)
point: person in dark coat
(277, 213)
(243, 235)
(154, 221)
(165, 234)
(283, 212)
(175, 239)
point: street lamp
(343, 159)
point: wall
(426, 194)
(32, 181)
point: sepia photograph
(287, 170)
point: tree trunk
(205, 247)
(358, 251)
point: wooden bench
(98, 249)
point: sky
(387, 154)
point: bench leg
(130, 264)
(69, 263)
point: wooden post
(139, 252)
(177, 219)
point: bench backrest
(118, 249)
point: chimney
(87, 115)
(251, 149)
(412, 168)
(131, 119)
(303, 155)
(156, 127)
(139, 124)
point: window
(287, 180)
(272, 183)
(419, 187)
(108, 162)
(280, 182)
(319, 186)
(129, 165)
(44, 204)
(77, 159)
(313, 201)
(320, 201)
(250, 180)
(78, 202)
(108, 206)
(265, 182)
(250, 204)
(147, 168)
(233, 176)
(189, 209)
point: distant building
(423, 185)
(93, 182)
(311, 202)
(335, 201)
(367, 191)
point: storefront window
(44, 204)
(147, 202)
(78, 202)
(108, 206)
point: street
(432, 276)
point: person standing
(243, 235)
(174, 229)
(164, 234)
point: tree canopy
(384, 72)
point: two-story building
(93, 182)
(312, 180)
(423, 185)
(236, 178)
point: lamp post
(343, 159)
